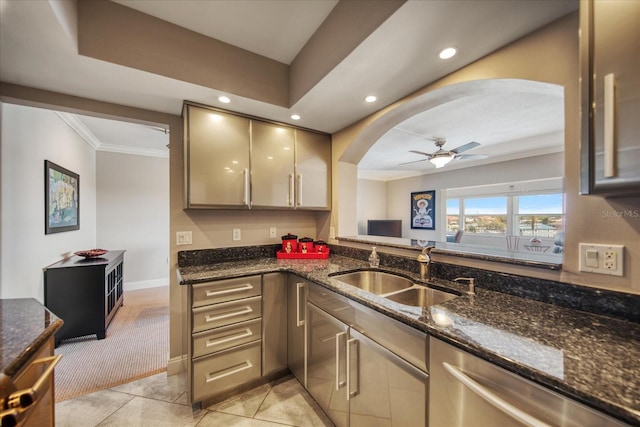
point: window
(539, 215)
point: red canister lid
(290, 236)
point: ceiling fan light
(440, 161)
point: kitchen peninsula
(26, 334)
(589, 358)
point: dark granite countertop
(25, 325)
(591, 358)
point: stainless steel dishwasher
(468, 391)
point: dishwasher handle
(493, 399)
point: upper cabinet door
(272, 161)
(313, 171)
(610, 71)
(216, 159)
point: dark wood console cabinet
(84, 293)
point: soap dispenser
(374, 259)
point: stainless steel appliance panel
(403, 340)
(215, 374)
(326, 364)
(226, 290)
(384, 389)
(225, 337)
(467, 391)
(226, 313)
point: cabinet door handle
(291, 191)
(492, 398)
(245, 287)
(23, 399)
(245, 310)
(609, 125)
(230, 371)
(299, 190)
(339, 383)
(212, 343)
(298, 321)
(245, 196)
(350, 393)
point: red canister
(305, 245)
(289, 243)
(320, 246)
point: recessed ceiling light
(370, 98)
(295, 117)
(447, 53)
(224, 99)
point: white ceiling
(394, 61)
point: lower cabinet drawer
(226, 313)
(220, 372)
(225, 337)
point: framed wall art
(61, 199)
(423, 210)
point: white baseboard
(177, 365)
(144, 284)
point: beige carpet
(136, 346)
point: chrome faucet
(470, 281)
(425, 263)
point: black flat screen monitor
(384, 227)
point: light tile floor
(161, 400)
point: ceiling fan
(442, 157)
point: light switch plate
(602, 259)
(236, 234)
(272, 232)
(183, 238)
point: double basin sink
(395, 288)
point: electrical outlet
(183, 238)
(272, 232)
(236, 235)
(602, 259)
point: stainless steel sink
(421, 297)
(377, 282)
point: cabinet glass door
(385, 390)
(272, 151)
(326, 367)
(218, 159)
(313, 170)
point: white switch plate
(272, 232)
(236, 234)
(183, 238)
(602, 259)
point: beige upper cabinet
(272, 165)
(233, 162)
(313, 171)
(217, 163)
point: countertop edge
(21, 359)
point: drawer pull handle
(212, 343)
(230, 371)
(243, 288)
(245, 310)
(493, 399)
(26, 397)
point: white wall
(133, 214)
(28, 137)
(398, 191)
(372, 202)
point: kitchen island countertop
(25, 325)
(590, 358)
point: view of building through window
(540, 215)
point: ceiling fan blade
(466, 147)
(471, 156)
(421, 152)
(414, 161)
